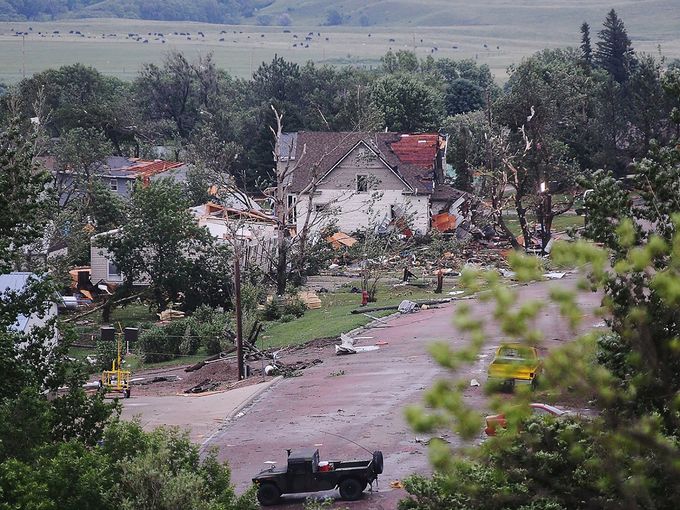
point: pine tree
(586, 48)
(614, 50)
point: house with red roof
(118, 173)
(362, 179)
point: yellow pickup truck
(515, 364)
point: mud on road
(362, 397)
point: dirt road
(362, 397)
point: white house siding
(353, 211)
(99, 265)
(337, 194)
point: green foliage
(294, 306)
(131, 469)
(106, 352)
(614, 50)
(161, 243)
(24, 197)
(219, 11)
(628, 455)
(206, 327)
(407, 103)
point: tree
(178, 90)
(407, 103)
(81, 156)
(628, 456)
(77, 96)
(586, 48)
(35, 367)
(614, 50)
(162, 244)
(333, 18)
(403, 61)
(543, 107)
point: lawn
(560, 223)
(334, 316)
(129, 316)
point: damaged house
(358, 179)
(238, 217)
(119, 174)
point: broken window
(292, 209)
(362, 183)
(113, 271)
(321, 207)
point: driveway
(361, 398)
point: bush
(287, 318)
(207, 327)
(155, 345)
(272, 310)
(294, 306)
(106, 353)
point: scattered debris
(202, 387)
(170, 314)
(554, 276)
(429, 440)
(310, 298)
(340, 240)
(143, 381)
(381, 342)
(396, 484)
(407, 306)
(347, 345)
(474, 382)
(337, 374)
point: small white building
(14, 284)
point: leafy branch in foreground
(626, 457)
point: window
(113, 184)
(292, 210)
(362, 183)
(321, 207)
(113, 271)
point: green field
(495, 32)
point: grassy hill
(495, 32)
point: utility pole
(23, 56)
(239, 319)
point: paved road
(199, 414)
(362, 397)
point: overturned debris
(419, 304)
(202, 387)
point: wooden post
(239, 324)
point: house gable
(362, 160)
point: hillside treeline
(209, 11)
(598, 106)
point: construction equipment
(116, 379)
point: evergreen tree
(586, 48)
(614, 50)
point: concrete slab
(201, 415)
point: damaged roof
(134, 167)
(411, 156)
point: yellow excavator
(116, 379)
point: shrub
(207, 327)
(294, 306)
(155, 345)
(272, 310)
(106, 352)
